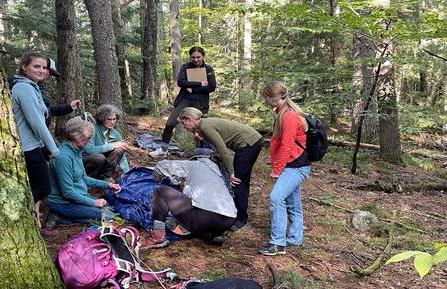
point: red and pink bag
(94, 258)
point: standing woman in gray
(30, 112)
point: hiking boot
(156, 239)
(272, 250)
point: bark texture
(107, 75)
(176, 46)
(150, 53)
(390, 148)
(24, 259)
(69, 64)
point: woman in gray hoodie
(29, 112)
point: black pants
(102, 166)
(201, 223)
(172, 120)
(244, 160)
(38, 172)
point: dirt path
(332, 247)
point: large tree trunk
(107, 75)
(244, 97)
(70, 84)
(24, 260)
(120, 29)
(150, 53)
(389, 135)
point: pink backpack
(94, 258)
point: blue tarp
(134, 202)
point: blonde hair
(276, 89)
(189, 113)
(76, 127)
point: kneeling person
(205, 205)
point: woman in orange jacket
(290, 166)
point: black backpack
(316, 143)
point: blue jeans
(285, 207)
(77, 213)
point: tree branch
(433, 54)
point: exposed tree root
(275, 275)
(380, 259)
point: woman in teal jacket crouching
(69, 198)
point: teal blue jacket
(30, 112)
(98, 144)
(69, 183)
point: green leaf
(440, 245)
(440, 256)
(423, 263)
(402, 256)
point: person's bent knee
(96, 158)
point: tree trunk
(176, 37)
(120, 30)
(389, 135)
(70, 84)
(24, 260)
(362, 83)
(244, 97)
(107, 75)
(200, 24)
(333, 87)
(3, 24)
(150, 53)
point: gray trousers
(172, 120)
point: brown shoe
(156, 239)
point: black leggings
(38, 173)
(244, 160)
(201, 223)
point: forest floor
(332, 248)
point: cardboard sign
(196, 74)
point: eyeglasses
(111, 119)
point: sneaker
(272, 250)
(216, 241)
(237, 225)
(156, 239)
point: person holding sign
(196, 81)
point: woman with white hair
(69, 198)
(105, 156)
